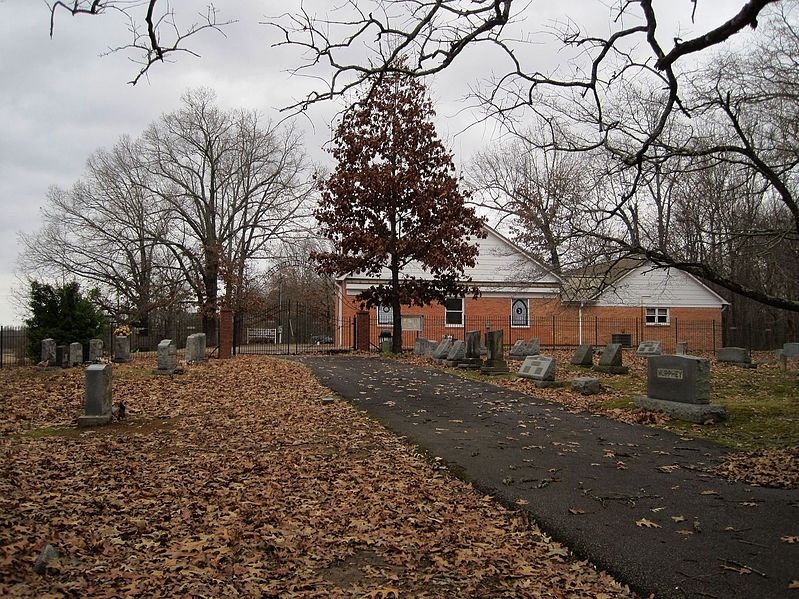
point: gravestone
(680, 386)
(587, 385)
(533, 347)
(62, 356)
(49, 352)
(541, 369)
(790, 350)
(167, 358)
(538, 368)
(121, 348)
(440, 354)
(735, 355)
(518, 349)
(610, 362)
(471, 357)
(97, 406)
(195, 349)
(648, 348)
(495, 362)
(456, 354)
(419, 346)
(95, 350)
(682, 348)
(584, 356)
(75, 354)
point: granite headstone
(495, 362)
(95, 350)
(97, 407)
(584, 356)
(49, 352)
(680, 386)
(648, 348)
(75, 354)
(611, 361)
(195, 348)
(122, 348)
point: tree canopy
(394, 199)
(61, 313)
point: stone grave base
(84, 421)
(739, 364)
(611, 369)
(492, 370)
(549, 384)
(200, 361)
(170, 371)
(122, 360)
(691, 412)
(471, 363)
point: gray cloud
(60, 100)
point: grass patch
(762, 404)
(762, 407)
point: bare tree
(627, 93)
(157, 34)
(180, 211)
(602, 75)
(539, 192)
(228, 188)
(103, 231)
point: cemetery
(117, 400)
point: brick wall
(558, 324)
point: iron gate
(290, 328)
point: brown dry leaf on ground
(773, 467)
(234, 480)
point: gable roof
(500, 261)
(619, 282)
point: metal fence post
(714, 335)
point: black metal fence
(557, 331)
(290, 328)
(758, 338)
(145, 337)
(13, 346)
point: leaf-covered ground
(234, 480)
(762, 406)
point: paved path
(586, 480)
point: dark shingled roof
(587, 283)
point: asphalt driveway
(634, 500)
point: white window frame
(513, 323)
(383, 312)
(661, 317)
(462, 312)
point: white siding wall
(497, 262)
(659, 287)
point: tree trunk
(396, 340)
(209, 307)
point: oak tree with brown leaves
(394, 200)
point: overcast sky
(60, 101)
